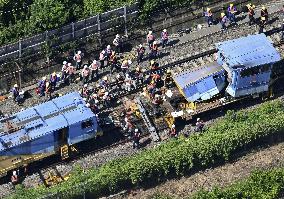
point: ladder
(147, 121)
(64, 152)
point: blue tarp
(253, 50)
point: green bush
(218, 143)
(260, 184)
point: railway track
(127, 141)
(178, 65)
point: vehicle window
(87, 124)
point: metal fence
(96, 25)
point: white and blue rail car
(46, 129)
(244, 67)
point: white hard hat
(16, 85)
(69, 64)
(198, 119)
(44, 78)
(136, 130)
(117, 35)
(150, 32)
(95, 61)
(85, 66)
(79, 52)
(105, 78)
(165, 30)
(14, 173)
(106, 93)
(85, 85)
(129, 62)
(173, 126)
(108, 46)
(155, 42)
(103, 51)
(140, 45)
(65, 62)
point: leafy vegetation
(22, 18)
(217, 144)
(260, 184)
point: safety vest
(165, 35)
(150, 37)
(14, 178)
(173, 131)
(113, 58)
(155, 47)
(85, 72)
(251, 12)
(70, 70)
(77, 58)
(94, 66)
(102, 56)
(208, 14)
(64, 67)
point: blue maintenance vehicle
(44, 130)
(245, 67)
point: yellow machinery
(53, 179)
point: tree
(48, 14)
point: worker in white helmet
(173, 132)
(14, 178)
(136, 139)
(78, 59)
(164, 38)
(150, 39)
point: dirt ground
(225, 175)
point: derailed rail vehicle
(49, 128)
(245, 67)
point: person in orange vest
(108, 51)
(64, 71)
(150, 39)
(14, 178)
(53, 81)
(71, 73)
(154, 50)
(48, 89)
(173, 132)
(136, 139)
(264, 13)
(140, 53)
(154, 65)
(199, 125)
(102, 58)
(209, 17)
(113, 61)
(85, 74)
(85, 91)
(117, 43)
(94, 69)
(156, 103)
(251, 14)
(78, 59)
(164, 38)
(128, 125)
(261, 25)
